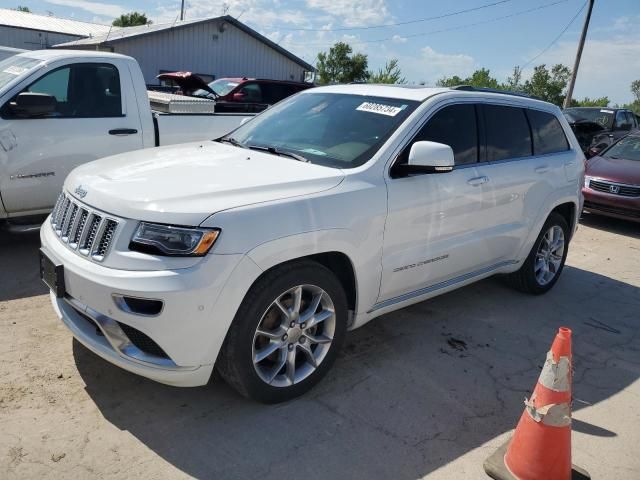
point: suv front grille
(82, 229)
(615, 188)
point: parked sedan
(612, 180)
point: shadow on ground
(411, 391)
(19, 266)
(613, 225)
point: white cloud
(398, 39)
(607, 67)
(103, 9)
(353, 13)
(431, 65)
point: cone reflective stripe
(541, 445)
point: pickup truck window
(11, 67)
(335, 130)
(82, 90)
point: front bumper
(188, 331)
(611, 205)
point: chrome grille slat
(623, 190)
(74, 239)
(69, 221)
(89, 232)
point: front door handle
(123, 131)
(478, 181)
(542, 169)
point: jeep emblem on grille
(81, 192)
(614, 188)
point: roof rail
(471, 88)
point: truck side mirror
(33, 105)
(239, 96)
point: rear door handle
(123, 131)
(542, 169)
(478, 181)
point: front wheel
(545, 262)
(286, 334)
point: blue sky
(426, 50)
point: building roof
(120, 34)
(43, 23)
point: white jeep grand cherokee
(256, 252)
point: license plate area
(52, 275)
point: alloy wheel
(549, 257)
(294, 335)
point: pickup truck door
(96, 116)
(436, 222)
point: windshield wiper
(282, 153)
(232, 141)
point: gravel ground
(426, 392)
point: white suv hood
(185, 184)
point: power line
(553, 42)
(407, 22)
(459, 27)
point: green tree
(591, 102)
(479, 78)
(548, 85)
(341, 65)
(131, 20)
(391, 73)
(23, 9)
(514, 82)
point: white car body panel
(36, 155)
(406, 239)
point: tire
(529, 278)
(291, 349)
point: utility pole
(576, 65)
(182, 11)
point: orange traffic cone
(541, 445)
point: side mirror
(430, 157)
(596, 149)
(244, 120)
(30, 105)
(239, 97)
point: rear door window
(507, 133)
(548, 136)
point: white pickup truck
(63, 108)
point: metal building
(29, 31)
(212, 47)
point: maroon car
(612, 180)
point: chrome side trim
(119, 340)
(438, 286)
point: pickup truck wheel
(545, 262)
(286, 334)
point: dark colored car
(236, 94)
(598, 127)
(612, 180)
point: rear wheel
(286, 334)
(545, 262)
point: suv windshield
(221, 87)
(628, 148)
(600, 116)
(335, 130)
(11, 67)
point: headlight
(587, 179)
(173, 241)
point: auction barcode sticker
(389, 110)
